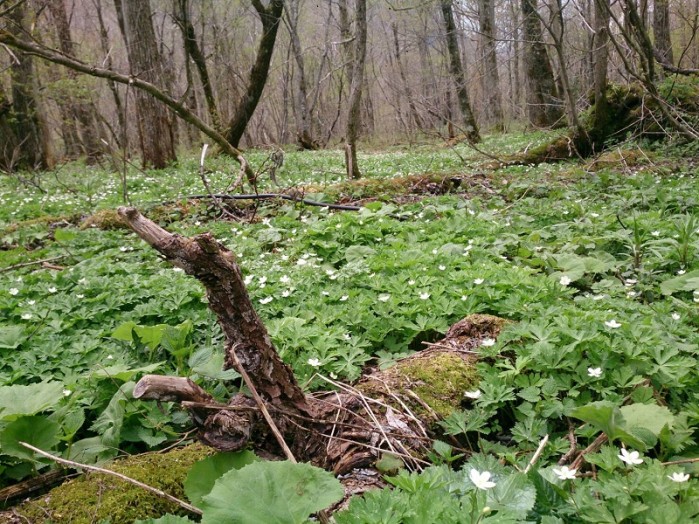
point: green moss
(104, 219)
(439, 381)
(96, 497)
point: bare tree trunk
(244, 109)
(119, 135)
(30, 148)
(556, 28)
(601, 55)
(155, 127)
(339, 430)
(457, 72)
(355, 95)
(193, 52)
(79, 111)
(661, 31)
(304, 135)
(406, 87)
(543, 102)
(491, 78)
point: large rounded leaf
(38, 431)
(270, 492)
(201, 478)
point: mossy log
(346, 430)
(341, 430)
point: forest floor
(595, 263)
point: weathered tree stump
(391, 411)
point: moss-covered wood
(101, 498)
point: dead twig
(261, 404)
(33, 263)
(151, 489)
(589, 449)
(537, 453)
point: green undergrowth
(597, 269)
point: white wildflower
(565, 473)
(594, 372)
(481, 479)
(632, 458)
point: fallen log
(344, 430)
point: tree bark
(174, 105)
(244, 109)
(155, 127)
(28, 146)
(193, 52)
(339, 430)
(491, 77)
(355, 95)
(304, 134)
(78, 110)
(601, 57)
(457, 72)
(661, 31)
(543, 101)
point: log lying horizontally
(340, 430)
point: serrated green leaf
(123, 372)
(649, 416)
(19, 400)
(203, 475)
(38, 431)
(11, 336)
(270, 492)
(514, 493)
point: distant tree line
(99, 78)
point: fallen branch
(269, 196)
(151, 489)
(33, 263)
(592, 448)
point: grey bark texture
(155, 126)
(457, 72)
(544, 107)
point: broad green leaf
(38, 431)
(64, 235)
(91, 450)
(29, 400)
(514, 493)
(687, 282)
(607, 417)
(201, 478)
(11, 336)
(270, 492)
(150, 336)
(649, 416)
(354, 253)
(122, 372)
(166, 519)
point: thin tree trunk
(31, 148)
(155, 128)
(355, 95)
(457, 72)
(491, 78)
(118, 135)
(192, 51)
(406, 86)
(661, 31)
(78, 110)
(601, 55)
(543, 102)
(244, 109)
(304, 135)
